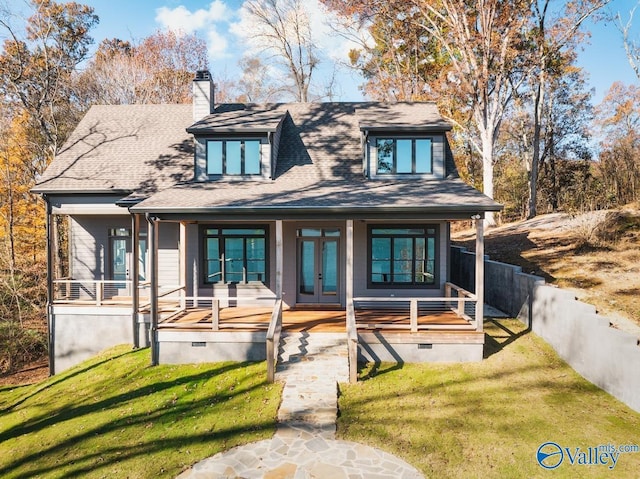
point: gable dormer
(404, 140)
(233, 141)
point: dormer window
(233, 157)
(404, 156)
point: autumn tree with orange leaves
(38, 61)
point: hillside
(596, 255)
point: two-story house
(205, 230)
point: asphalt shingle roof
(124, 148)
(146, 150)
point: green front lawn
(488, 419)
(114, 416)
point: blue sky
(220, 23)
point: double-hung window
(404, 156)
(233, 157)
(235, 254)
(403, 256)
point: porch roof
(357, 198)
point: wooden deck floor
(310, 320)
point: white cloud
(204, 21)
(216, 45)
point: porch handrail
(459, 300)
(98, 290)
(352, 342)
(273, 340)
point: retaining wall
(606, 356)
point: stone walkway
(304, 445)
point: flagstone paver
(304, 446)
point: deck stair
(311, 365)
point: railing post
(479, 272)
(413, 315)
(215, 314)
(273, 339)
(271, 363)
(99, 296)
(460, 303)
(182, 248)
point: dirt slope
(596, 254)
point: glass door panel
(307, 270)
(119, 264)
(329, 278)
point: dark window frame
(404, 285)
(394, 168)
(221, 244)
(224, 142)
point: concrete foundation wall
(180, 347)
(375, 347)
(80, 333)
(606, 356)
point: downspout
(153, 279)
(50, 316)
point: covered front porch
(440, 322)
(184, 318)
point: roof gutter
(331, 212)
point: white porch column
(135, 278)
(479, 272)
(349, 273)
(182, 253)
(279, 259)
(153, 292)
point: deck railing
(352, 342)
(463, 304)
(93, 292)
(273, 340)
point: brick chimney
(203, 95)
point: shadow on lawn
(60, 378)
(496, 340)
(115, 453)
(497, 337)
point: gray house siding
(90, 243)
(168, 255)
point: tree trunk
(535, 159)
(487, 173)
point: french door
(318, 272)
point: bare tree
(255, 84)
(631, 47)
(554, 40)
(284, 28)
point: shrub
(19, 346)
